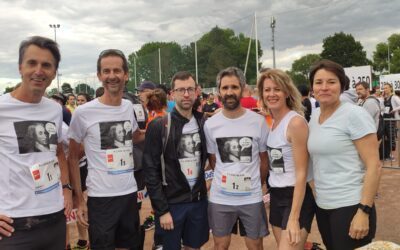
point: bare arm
(263, 166)
(367, 148)
(65, 178)
(138, 135)
(211, 160)
(297, 134)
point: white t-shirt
(236, 144)
(106, 133)
(280, 153)
(337, 167)
(30, 177)
(189, 151)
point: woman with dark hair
(156, 104)
(82, 98)
(343, 150)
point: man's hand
(67, 201)
(166, 222)
(5, 228)
(83, 213)
(359, 226)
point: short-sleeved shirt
(337, 167)
(236, 144)
(106, 132)
(30, 175)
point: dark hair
(303, 89)
(69, 95)
(231, 71)
(86, 95)
(43, 43)
(157, 100)
(99, 91)
(364, 84)
(112, 52)
(332, 67)
(181, 75)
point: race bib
(236, 184)
(190, 168)
(140, 116)
(119, 160)
(46, 176)
(276, 162)
(387, 110)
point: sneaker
(157, 247)
(149, 223)
(81, 245)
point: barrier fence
(389, 152)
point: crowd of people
(69, 151)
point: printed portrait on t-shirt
(36, 136)
(235, 149)
(115, 134)
(276, 162)
(189, 145)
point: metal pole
(273, 22)
(248, 49)
(134, 69)
(159, 63)
(388, 58)
(195, 58)
(256, 38)
(55, 27)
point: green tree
(84, 88)
(66, 88)
(381, 53)
(344, 49)
(8, 89)
(52, 91)
(301, 68)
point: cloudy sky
(88, 27)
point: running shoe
(149, 223)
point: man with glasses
(175, 181)
(112, 211)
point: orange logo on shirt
(110, 158)
(36, 174)
(224, 179)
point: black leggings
(334, 226)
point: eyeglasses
(112, 52)
(182, 91)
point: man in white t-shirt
(173, 162)
(106, 127)
(32, 160)
(236, 143)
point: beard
(229, 104)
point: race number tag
(190, 168)
(46, 176)
(236, 184)
(119, 160)
(140, 116)
(387, 110)
(276, 160)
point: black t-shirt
(210, 107)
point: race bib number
(387, 110)
(276, 162)
(236, 184)
(190, 168)
(119, 160)
(140, 116)
(46, 176)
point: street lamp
(55, 27)
(388, 52)
(273, 22)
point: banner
(393, 79)
(359, 74)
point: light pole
(273, 22)
(388, 52)
(55, 27)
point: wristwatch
(365, 208)
(67, 186)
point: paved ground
(387, 203)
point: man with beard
(112, 190)
(175, 181)
(236, 187)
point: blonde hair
(280, 78)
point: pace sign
(359, 74)
(393, 79)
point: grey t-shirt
(337, 167)
(372, 105)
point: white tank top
(281, 163)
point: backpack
(381, 127)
